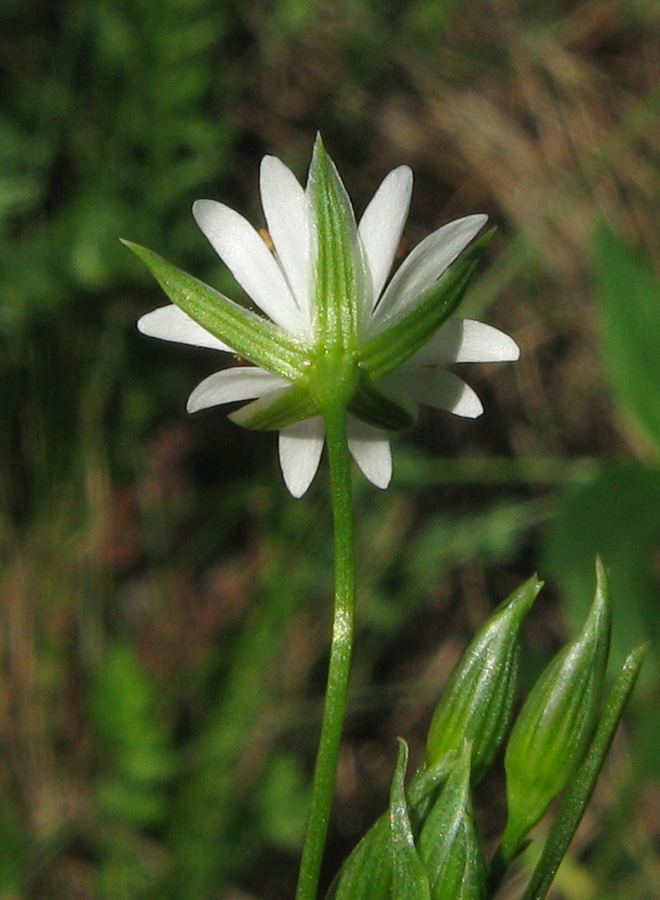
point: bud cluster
(427, 847)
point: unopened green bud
(448, 844)
(553, 729)
(367, 873)
(477, 702)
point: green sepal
(477, 702)
(371, 405)
(248, 334)
(392, 347)
(583, 782)
(448, 843)
(340, 270)
(556, 723)
(277, 410)
(409, 879)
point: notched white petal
(231, 385)
(466, 340)
(382, 223)
(370, 448)
(254, 267)
(170, 323)
(435, 387)
(300, 448)
(422, 268)
(285, 209)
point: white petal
(254, 267)
(170, 323)
(382, 224)
(285, 208)
(435, 387)
(300, 452)
(230, 385)
(370, 448)
(465, 340)
(422, 268)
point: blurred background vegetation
(164, 605)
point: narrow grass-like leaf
(581, 787)
(629, 294)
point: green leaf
(629, 296)
(476, 704)
(247, 333)
(581, 787)
(552, 731)
(283, 802)
(617, 516)
(409, 880)
(388, 350)
(139, 761)
(13, 843)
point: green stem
(334, 711)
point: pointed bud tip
(601, 573)
(600, 613)
(522, 599)
(636, 657)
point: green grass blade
(579, 791)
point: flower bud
(448, 844)
(476, 704)
(368, 873)
(553, 729)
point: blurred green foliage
(163, 603)
(616, 513)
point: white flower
(284, 284)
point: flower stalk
(334, 710)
